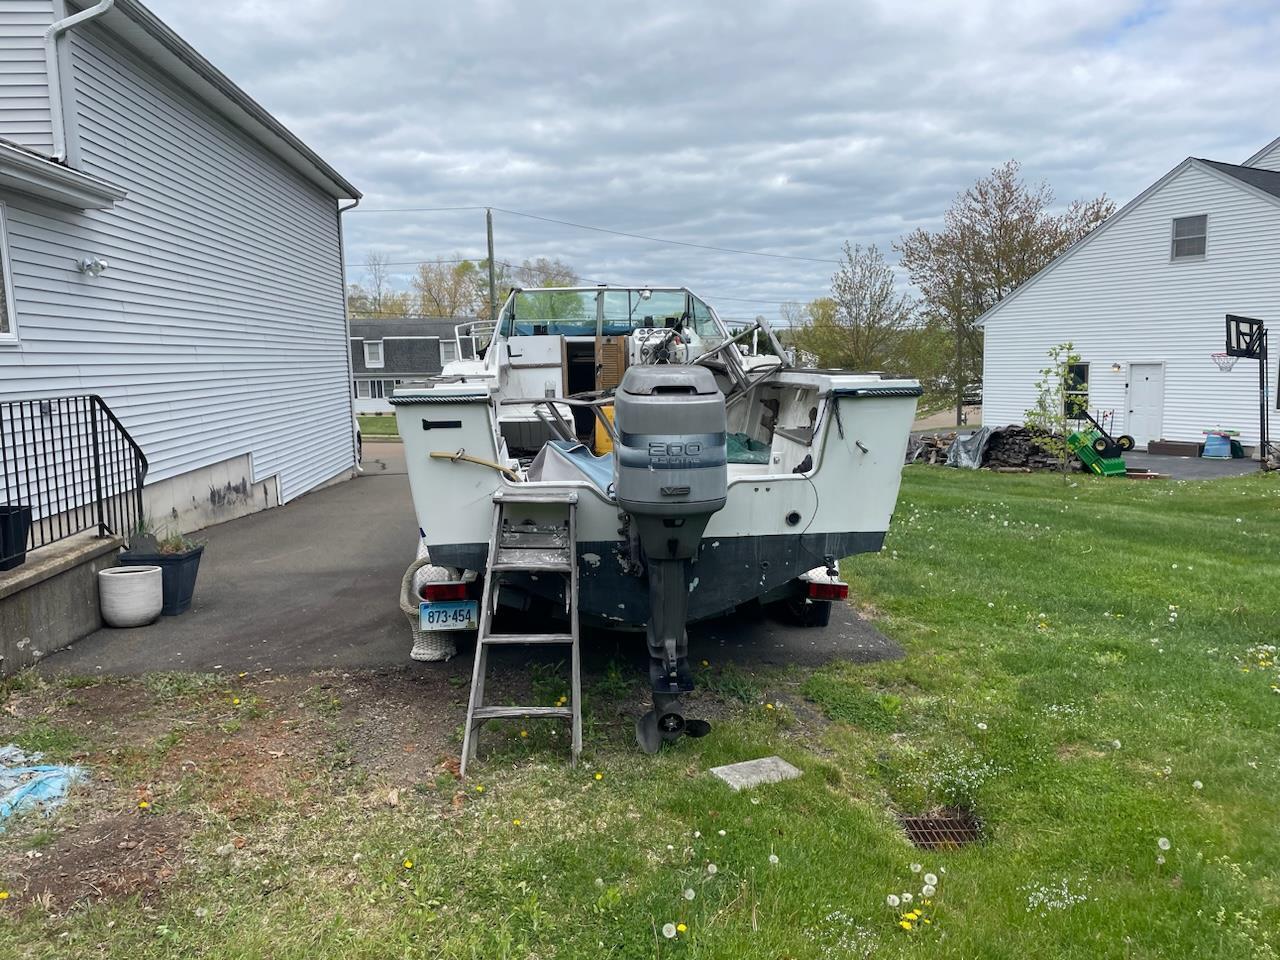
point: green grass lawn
(374, 426)
(1088, 667)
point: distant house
(167, 244)
(1143, 299)
(386, 352)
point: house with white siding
(387, 351)
(1143, 298)
(170, 246)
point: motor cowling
(670, 466)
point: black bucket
(15, 527)
(178, 573)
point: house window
(1190, 236)
(448, 352)
(1075, 394)
(373, 353)
(8, 322)
(375, 389)
(362, 389)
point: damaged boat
(706, 468)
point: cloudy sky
(771, 126)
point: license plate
(448, 614)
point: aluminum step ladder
(540, 549)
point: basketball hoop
(1224, 361)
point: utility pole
(493, 288)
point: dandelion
(990, 604)
(697, 834)
(929, 890)
(907, 897)
(721, 832)
(773, 859)
(599, 775)
(669, 930)
(4, 894)
(1163, 843)
(981, 725)
(768, 706)
(408, 864)
(144, 805)
(1160, 860)
(235, 701)
(201, 912)
(706, 663)
(681, 928)
(524, 733)
(905, 924)
(931, 879)
(479, 788)
(711, 869)
(1197, 785)
(517, 822)
(1115, 744)
(689, 894)
(599, 881)
(892, 900)
(916, 868)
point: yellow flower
(235, 701)
(143, 805)
(518, 822)
(905, 924)
(242, 674)
(681, 928)
(479, 788)
(768, 706)
(926, 920)
(706, 663)
(408, 864)
(524, 733)
(599, 775)
(4, 894)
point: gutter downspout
(57, 29)
(346, 316)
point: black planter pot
(15, 527)
(177, 572)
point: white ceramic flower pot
(130, 596)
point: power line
(587, 226)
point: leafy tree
(997, 234)
(859, 327)
(448, 288)
(1052, 412)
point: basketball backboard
(1244, 337)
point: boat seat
(569, 460)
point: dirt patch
(123, 855)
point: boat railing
(473, 336)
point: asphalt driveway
(314, 585)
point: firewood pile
(1015, 448)
(930, 448)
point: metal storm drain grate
(944, 830)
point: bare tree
(858, 327)
(997, 235)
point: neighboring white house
(217, 330)
(387, 351)
(1144, 297)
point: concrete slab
(752, 773)
(1190, 468)
(314, 584)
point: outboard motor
(670, 476)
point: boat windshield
(569, 313)
(627, 310)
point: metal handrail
(72, 466)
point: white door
(1146, 403)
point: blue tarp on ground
(27, 784)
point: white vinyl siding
(219, 328)
(1120, 300)
(1268, 159)
(24, 79)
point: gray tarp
(968, 449)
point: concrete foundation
(213, 494)
(52, 599)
